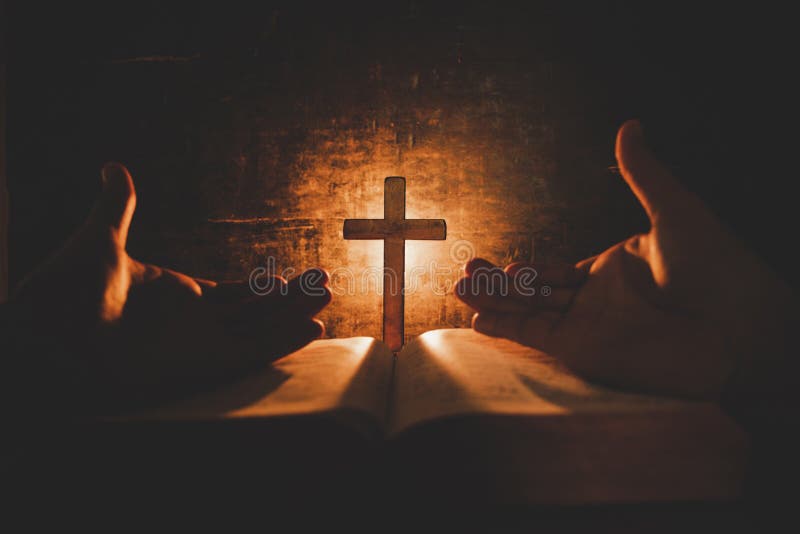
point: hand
(675, 311)
(99, 328)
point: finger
(487, 287)
(517, 298)
(585, 266)
(183, 280)
(479, 297)
(552, 275)
(477, 264)
(151, 279)
(236, 302)
(550, 288)
(164, 292)
(238, 291)
(309, 304)
(531, 330)
(117, 202)
(487, 277)
(143, 272)
(309, 292)
(204, 283)
(309, 282)
(146, 272)
(654, 186)
(304, 296)
(490, 288)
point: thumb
(117, 202)
(655, 187)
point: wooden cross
(394, 229)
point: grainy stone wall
(254, 135)
(477, 152)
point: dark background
(212, 106)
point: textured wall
(476, 150)
(253, 135)
(303, 144)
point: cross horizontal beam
(408, 229)
(394, 229)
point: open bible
(458, 411)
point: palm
(671, 311)
(221, 331)
(130, 333)
(620, 313)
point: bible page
(326, 375)
(459, 371)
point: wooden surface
(394, 229)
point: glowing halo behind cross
(394, 229)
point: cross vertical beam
(394, 263)
(394, 229)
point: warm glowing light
(342, 177)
